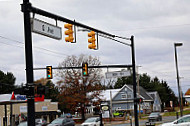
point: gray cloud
(156, 25)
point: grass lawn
(185, 112)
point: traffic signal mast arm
(56, 17)
(79, 67)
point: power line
(40, 48)
(157, 27)
(11, 44)
(23, 47)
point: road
(141, 122)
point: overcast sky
(156, 25)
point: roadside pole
(134, 81)
(29, 61)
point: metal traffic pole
(26, 6)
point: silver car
(155, 116)
(62, 122)
(93, 121)
(183, 121)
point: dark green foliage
(52, 91)
(7, 81)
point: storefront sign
(44, 108)
(21, 97)
(23, 108)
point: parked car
(118, 114)
(62, 121)
(41, 122)
(182, 121)
(154, 116)
(93, 121)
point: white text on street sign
(118, 74)
(46, 29)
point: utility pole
(177, 72)
(26, 6)
(134, 80)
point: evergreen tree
(7, 82)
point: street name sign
(46, 29)
(116, 74)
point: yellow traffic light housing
(69, 32)
(92, 40)
(49, 72)
(85, 69)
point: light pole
(179, 92)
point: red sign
(38, 98)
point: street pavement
(165, 119)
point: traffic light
(69, 32)
(92, 40)
(41, 90)
(49, 72)
(139, 100)
(85, 69)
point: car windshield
(184, 119)
(90, 120)
(152, 114)
(57, 121)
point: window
(185, 119)
(129, 96)
(117, 108)
(123, 96)
(131, 107)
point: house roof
(105, 94)
(143, 93)
(187, 92)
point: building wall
(122, 93)
(44, 106)
(122, 106)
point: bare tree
(75, 89)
